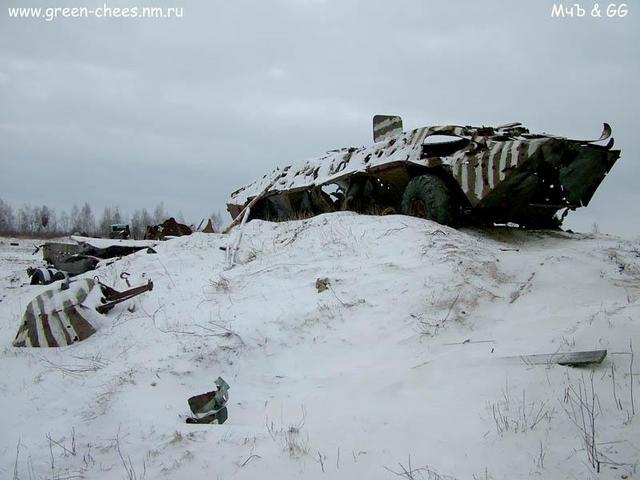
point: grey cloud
(187, 110)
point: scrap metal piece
(61, 256)
(85, 254)
(209, 227)
(112, 297)
(322, 284)
(119, 230)
(386, 126)
(125, 276)
(45, 276)
(57, 317)
(606, 133)
(69, 312)
(168, 228)
(210, 407)
(573, 359)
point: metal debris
(45, 276)
(86, 253)
(210, 407)
(209, 227)
(322, 284)
(572, 359)
(69, 313)
(168, 228)
(119, 230)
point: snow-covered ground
(408, 364)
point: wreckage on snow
(69, 312)
(82, 255)
(449, 174)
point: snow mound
(410, 355)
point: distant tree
(216, 221)
(52, 225)
(44, 215)
(139, 222)
(87, 221)
(105, 222)
(117, 217)
(135, 225)
(146, 218)
(64, 223)
(7, 219)
(110, 216)
(159, 214)
(74, 220)
(25, 219)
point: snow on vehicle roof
(337, 164)
(106, 242)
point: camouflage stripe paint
(464, 175)
(477, 174)
(30, 324)
(485, 174)
(52, 319)
(515, 150)
(455, 171)
(505, 160)
(46, 328)
(523, 153)
(81, 293)
(494, 159)
(82, 327)
(64, 326)
(471, 182)
(385, 126)
(509, 146)
(411, 137)
(418, 137)
(37, 311)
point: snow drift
(408, 363)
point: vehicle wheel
(428, 196)
(269, 210)
(275, 212)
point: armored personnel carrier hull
(451, 174)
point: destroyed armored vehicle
(450, 174)
(119, 230)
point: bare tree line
(46, 221)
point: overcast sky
(132, 112)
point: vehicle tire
(429, 197)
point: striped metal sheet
(59, 317)
(385, 126)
